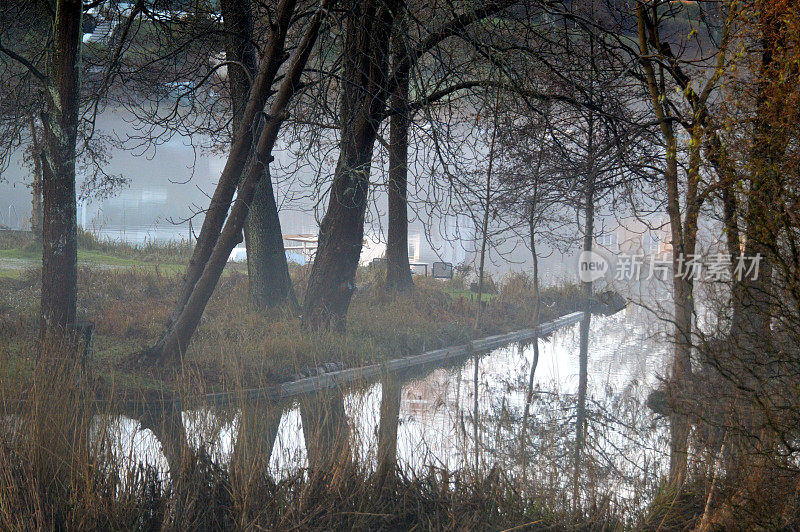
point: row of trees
(641, 105)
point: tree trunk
(682, 244)
(583, 355)
(750, 329)
(237, 20)
(175, 340)
(756, 298)
(476, 429)
(166, 424)
(36, 183)
(535, 362)
(684, 238)
(59, 223)
(252, 449)
(267, 269)
(718, 156)
(681, 373)
(332, 280)
(398, 269)
(238, 159)
(268, 273)
(485, 227)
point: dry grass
(238, 345)
(59, 471)
(58, 468)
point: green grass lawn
(468, 295)
(14, 262)
(84, 255)
(10, 273)
(94, 257)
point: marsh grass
(61, 468)
(55, 469)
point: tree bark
(750, 328)
(258, 427)
(683, 243)
(718, 156)
(586, 287)
(398, 268)
(476, 429)
(176, 339)
(268, 272)
(238, 159)
(36, 183)
(237, 20)
(59, 222)
(684, 238)
(267, 268)
(485, 226)
(332, 280)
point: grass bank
(129, 296)
(20, 252)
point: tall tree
(268, 272)
(60, 126)
(487, 207)
(753, 297)
(658, 61)
(368, 29)
(365, 90)
(238, 158)
(43, 82)
(175, 339)
(398, 268)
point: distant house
(634, 236)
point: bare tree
(365, 91)
(60, 124)
(398, 269)
(368, 30)
(270, 284)
(60, 84)
(684, 227)
(222, 231)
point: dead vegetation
(60, 470)
(240, 345)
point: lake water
(627, 447)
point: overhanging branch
(24, 62)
